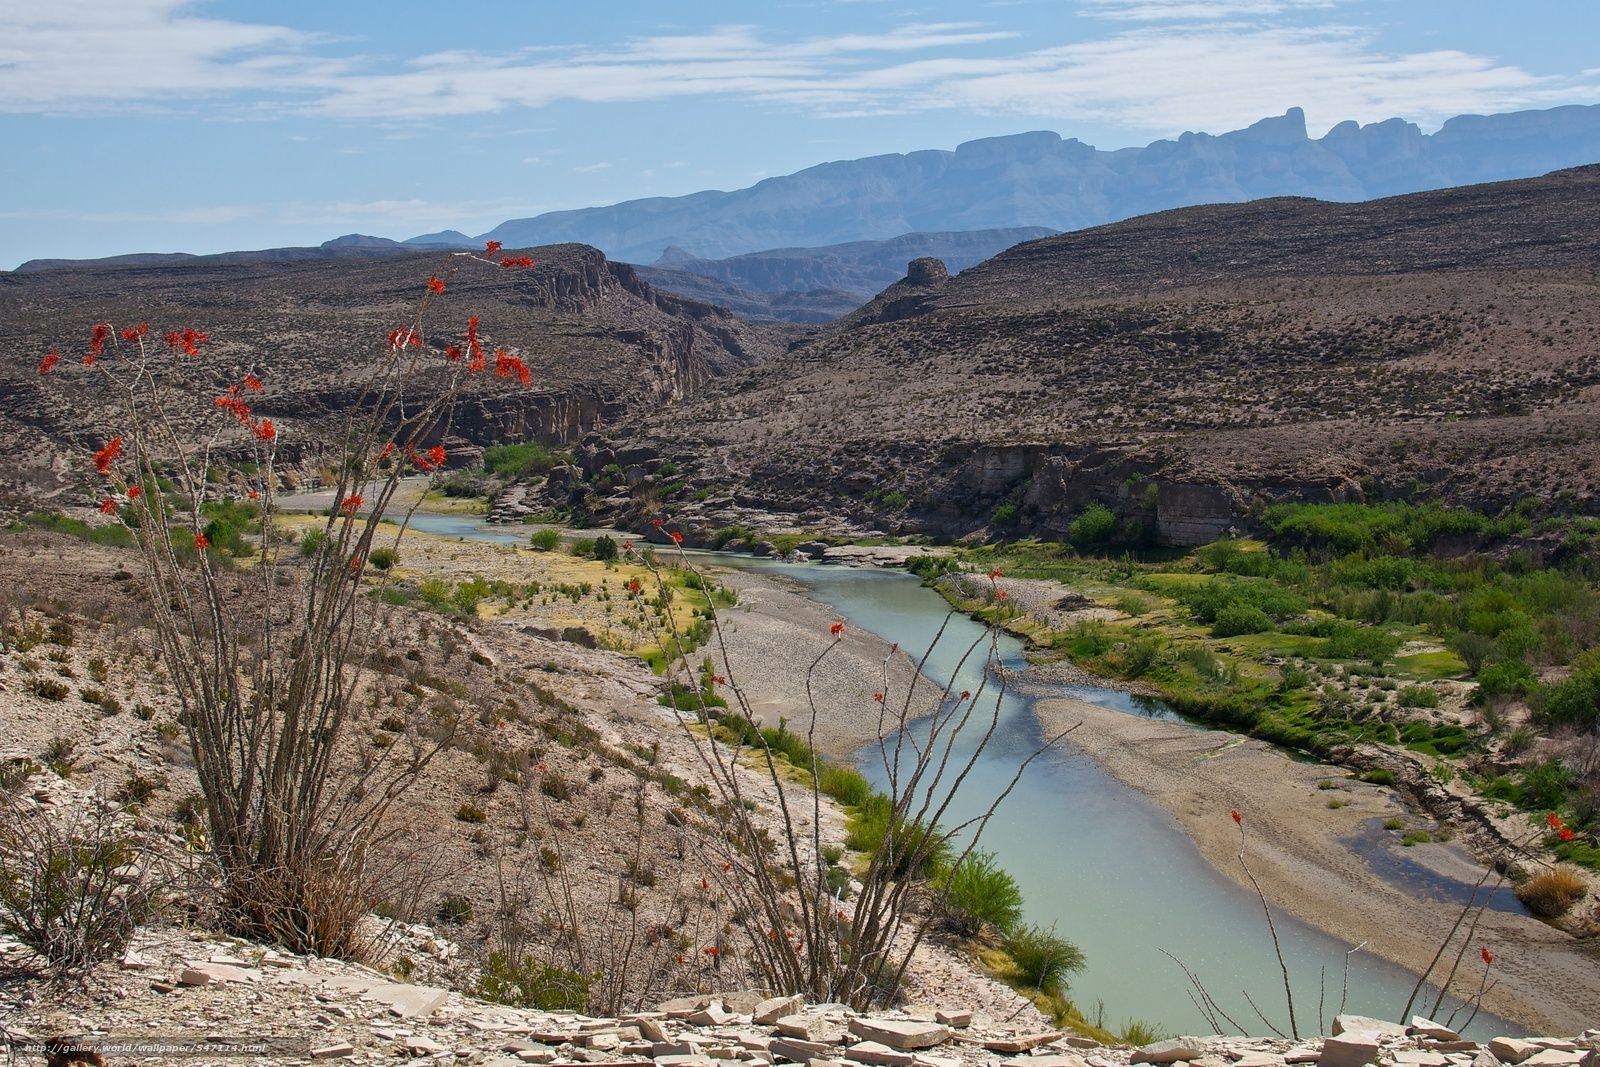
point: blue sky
(154, 125)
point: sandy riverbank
(771, 638)
(1312, 860)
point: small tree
(266, 659)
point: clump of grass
(1378, 776)
(470, 812)
(1394, 824)
(1553, 892)
(1415, 837)
(1141, 1032)
(1043, 959)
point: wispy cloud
(1153, 65)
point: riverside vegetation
(1437, 629)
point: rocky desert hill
(1183, 367)
(597, 337)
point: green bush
(527, 983)
(1574, 701)
(1418, 696)
(1043, 958)
(1095, 525)
(894, 498)
(605, 548)
(1004, 515)
(1237, 618)
(520, 460)
(978, 891)
(383, 558)
(311, 541)
(546, 540)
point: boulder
(903, 1034)
(333, 1052)
(1512, 1049)
(771, 1010)
(1353, 1048)
(1554, 1057)
(877, 1054)
(1362, 1024)
(958, 1019)
(1169, 1051)
(1421, 1027)
(1011, 1044)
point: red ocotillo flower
(187, 341)
(265, 431)
(1001, 595)
(517, 261)
(453, 353)
(436, 285)
(634, 585)
(255, 494)
(351, 504)
(108, 455)
(966, 694)
(997, 573)
(713, 952)
(202, 542)
(878, 697)
(705, 884)
(386, 451)
(1238, 820)
(1554, 820)
(1485, 955)
(135, 333)
(1566, 834)
(47, 364)
(717, 679)
(492, 248)
(98, 336)
(108, 506)
(404, 337)
(89, 358)
(836, 629)
(677, 538)
(436, 455)
(252, 383)
(135, 492)
(656, 523)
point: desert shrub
(546, 540)
(1004, 514)
(1418, 696)
(1350, 641)
(518, 460)
(1575, 700)
(528, 983)
(555, 787)
(605, 548)
(470, 812)
(48, 689)
(1508, 678)
(1044, 960)
(1132, 604)
(1236, 619)
(455, 909)
(1377, 776)
(1095, 525)
(1553, 892)
(915, 852)
(311, 541)
(383, 558)
(979, 892)
(73, 888)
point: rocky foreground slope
(190, 992)
(1183, 367)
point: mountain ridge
(1038, 178)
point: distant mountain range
(1039, 179)
(811, 246)
(821, 284)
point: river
(1096, 860)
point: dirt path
(1310, 857)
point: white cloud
(1154, 65)
(1196, 10)
(591, 168)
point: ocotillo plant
(266, 654)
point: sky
(171, 125)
